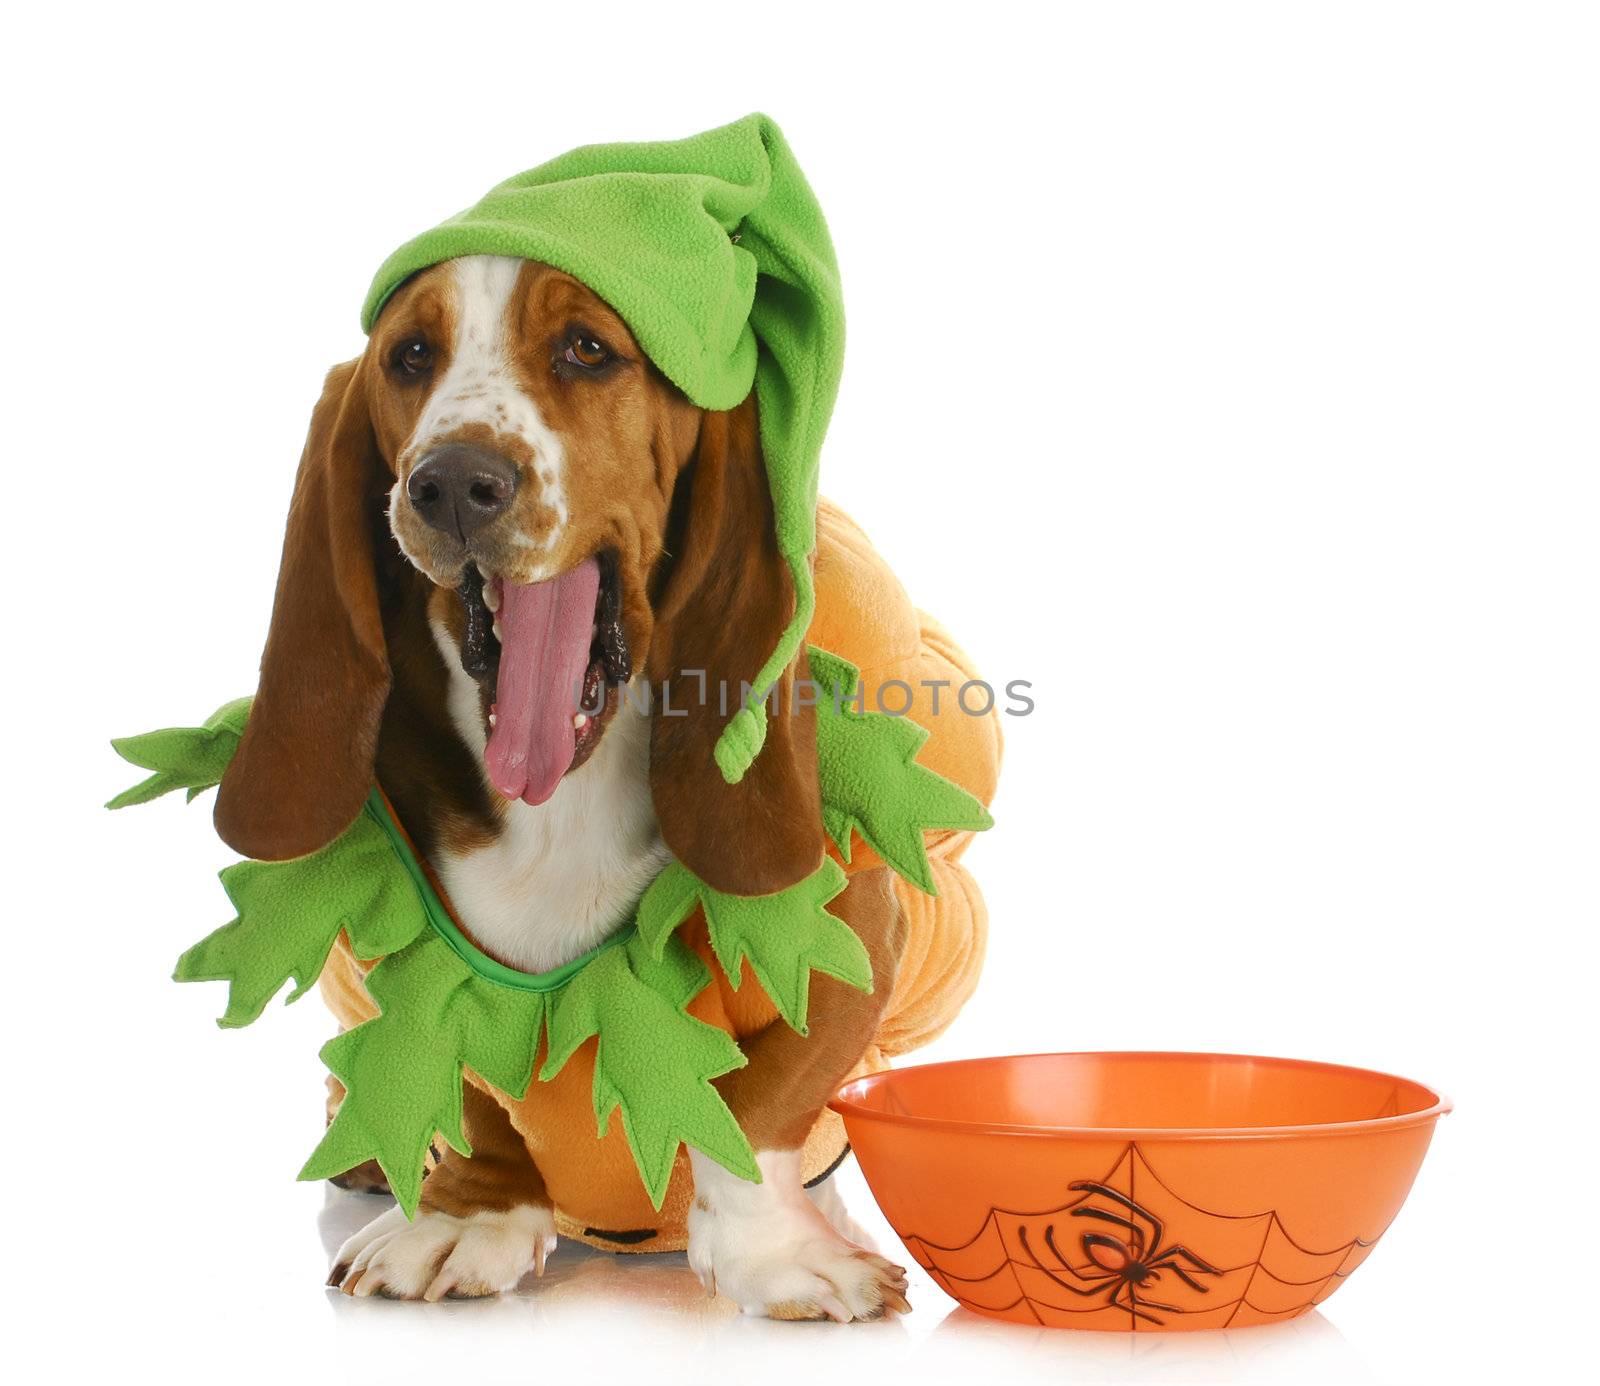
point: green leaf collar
(445, 1006)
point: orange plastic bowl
(1143, 1192)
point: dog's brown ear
(304, 765)
(722, 601)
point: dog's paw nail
(831, 1306)
(337, 1274)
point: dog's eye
(413, 356)
(586, 351)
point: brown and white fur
(362, 678)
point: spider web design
(1019, 1265)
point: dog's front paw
(439, 1254)
(769, 1249)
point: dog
(503, 428)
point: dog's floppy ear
(723, 599)
(304, 765)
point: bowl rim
(841, 1102)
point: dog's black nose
(459, 488)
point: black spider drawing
(1121, 1267)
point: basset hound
(503, 489)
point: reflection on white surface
(648, 1319)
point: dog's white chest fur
(564, 874)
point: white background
(1228, 371)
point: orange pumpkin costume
(863, 615)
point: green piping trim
(490, 969)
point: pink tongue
(544, 652)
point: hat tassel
(746, 732)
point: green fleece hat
(715, 253)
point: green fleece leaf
(785, 936)
(670, 899)
(871, 783)
(191, 758)
(291, 912)
(401, 1071)
(499, 1029)
(653, 1062)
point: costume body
(864, 615)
